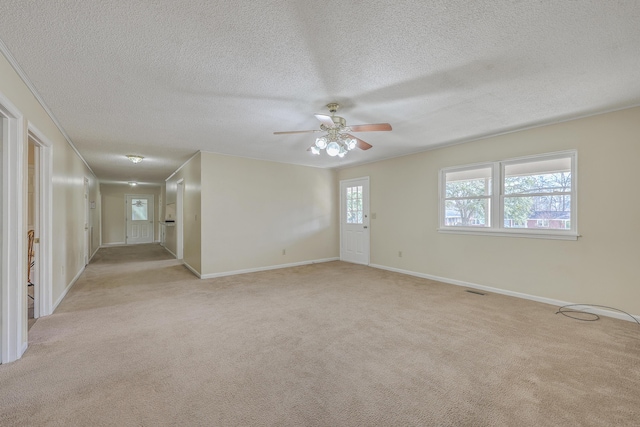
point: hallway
(116, 301)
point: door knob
(365, 226)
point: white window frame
(496, 200)
(489, 197)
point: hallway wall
(69, 172)
(244, 214)
(113, 211)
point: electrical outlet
(400, 254)
(284, 252)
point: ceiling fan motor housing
(339, 121)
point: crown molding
(16, 67)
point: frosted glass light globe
(333, 149)
(321, 142)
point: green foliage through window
(534, 194)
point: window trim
(496, 200)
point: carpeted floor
(140, 341)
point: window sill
(507, 233)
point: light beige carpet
(140, 341)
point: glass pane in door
(354, 205)
(139, 211)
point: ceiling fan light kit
(337, 146)
(338, 141)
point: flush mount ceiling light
(134, 158)
(338, 141)
(133, 183)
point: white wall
(599, 268)
(69, 172)
(253, 210)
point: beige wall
(68, 185)
(599, 268)
(113, 210)
(254, 209)
(191, 180)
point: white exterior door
(354, 220)
(139, 218)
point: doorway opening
(33, 216)
(39, 277)
(13, 302)
(180, 220)
(3, 282)
(87, 220)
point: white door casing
(354, 220)
(180, 220)
(86, 221)
(13, 292)
(33, 223)
(140, 210)
(43, 219)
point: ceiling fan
(338, 139)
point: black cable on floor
(564, 310)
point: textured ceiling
(165, 79)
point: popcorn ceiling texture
(164, 79)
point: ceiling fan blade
(297, 131)
(371, 128)
(325, 120)
(360, 143)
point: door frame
(43, 289)
(366, 211)
(87, 221)
(13, 289)
(180, 219)
(126, 215)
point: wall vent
(475, 292)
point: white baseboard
(270, 267)
(110, 245)
(167, 249)
(107, 245)
(67, 289)
(550, 301)
(193, 270)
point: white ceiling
(165, 79)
